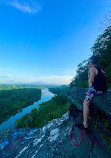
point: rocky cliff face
(102, 102)
(60, 138)
(100, 108)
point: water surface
(45, 96)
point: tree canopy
(102, 50)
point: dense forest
(59, 89)
(16, 86)
(12, 100)
(49, 110)
(102, 50)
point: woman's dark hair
(93, 60)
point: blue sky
(43, 41)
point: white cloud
(15, 75)
(40, 79)
(53, 79)
(28, 7)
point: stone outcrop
(103, 102)
(59, 138)
(100, 108)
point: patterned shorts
(91, 93)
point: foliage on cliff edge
(102, 50)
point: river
(45, 96)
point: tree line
(102, 50)
(47, 111)
(12, 100)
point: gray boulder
(103, 102)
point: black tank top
(99, 83)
